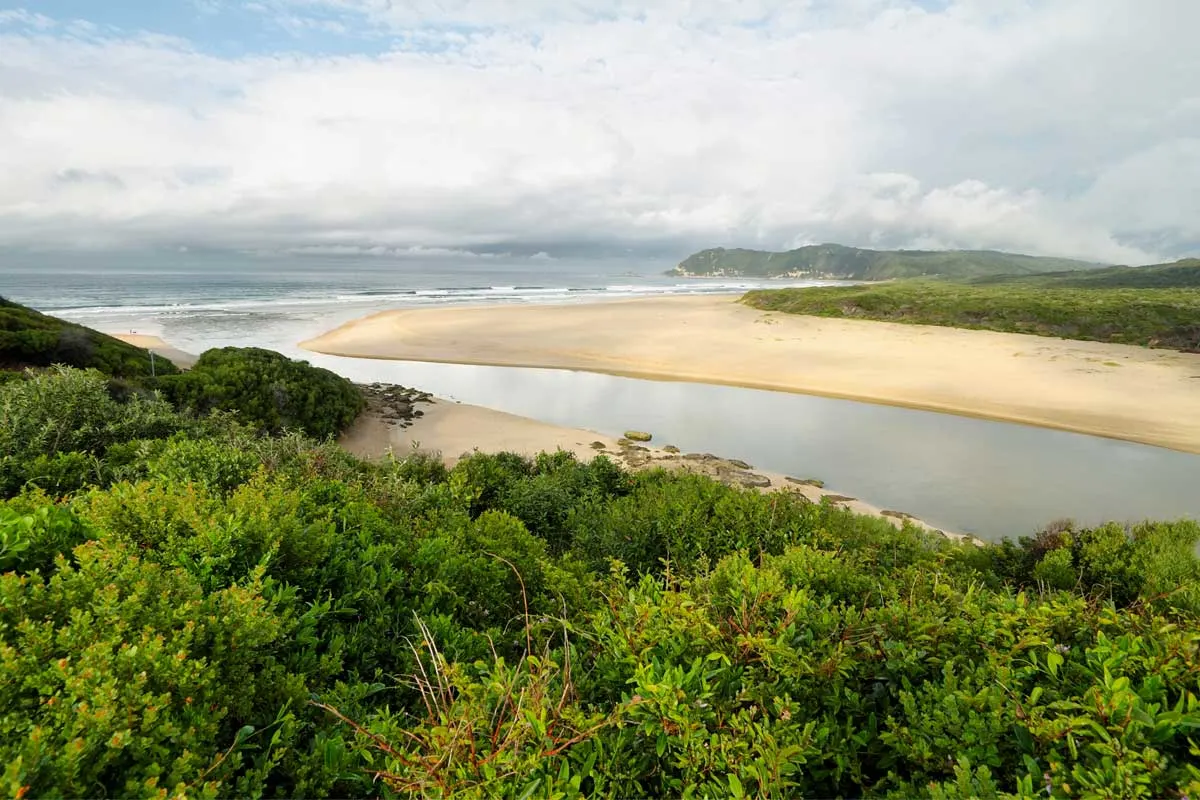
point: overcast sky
(1060, 127)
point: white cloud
(1063, 127)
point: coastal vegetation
(1151, 306)
(199, 600)
(29, 338)
(854, 263)
(268, 390)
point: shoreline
(1113, 391)
(159, 347)
(452, 430)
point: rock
(753, 481)
(806, 482)
(670, 448)
(839, 498)
(735, 462)
(897, 514)
(638, 436)
(598, 446)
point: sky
(576, 127)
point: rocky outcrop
(395, 405)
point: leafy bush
(268, 390)
(55, 424)
(124, 673)
(31, 540)
(188, 607)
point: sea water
(988, 478)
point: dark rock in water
(806, 481)
(598, 446)
(638, 436)
(670, 448)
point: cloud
(1062, 127)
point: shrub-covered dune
(1152, 306)
(190, 606)
(29, 338)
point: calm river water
(991, 479)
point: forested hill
(853, 263)
(29, 338)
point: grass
(1153, 317)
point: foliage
(268, 390)
(55, 424)
(31, 339)
(1065, 306)
(221, 612)
(1181, 274)
(854, 263)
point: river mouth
(986, 478)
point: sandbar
(1117, 391)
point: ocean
(197, 301)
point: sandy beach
(1118, 391)
(159, 347)
(453, 429)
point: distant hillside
(853, 263)
(1156, 306)
(29, 338)
(1182, 274)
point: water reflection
(987, 478)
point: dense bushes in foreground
(218, 613)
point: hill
(1155, 306)
(29, 338)
(1182, 274)
(853, 263)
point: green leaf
(530, 789)
(735, 786)
(1024, 740)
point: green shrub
(125, 678)
(205, 461)
(56, 425)
(268, 391)
(31, 539)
